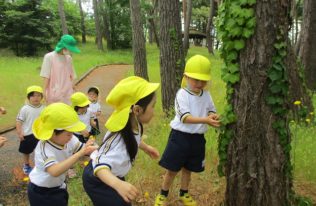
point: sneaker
(160, 200)
(27, 169)
(187, 200)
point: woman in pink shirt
(58, 72)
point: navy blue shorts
(95, 131)
(39, 196)
(100, 193)
(184, 150)
(28, 145)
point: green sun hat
(69, 42)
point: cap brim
(83, 104)
(202, 77)
(118, 120)
(44, 133)
(73, 49)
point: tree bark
(171, 51)
(107, 30)
(209, 27)
(187, 25)
(62, 16)
(97, 24)
(307, 49)
(255, 169)
(152, 24)
(83, 28)
(139, 47)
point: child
(94, 107)
(56, 152)
(80, 103)
(185, 149)
(103, 179)
(28, 113)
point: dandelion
(297, 102)
(85, 163)
(308, 120)
(26, 179)
(146, 195)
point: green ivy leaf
(232, 68)
(239, 44)
(236, 31)
(277, 67)
(247, 32)
(232, 56)
(248, 13)
(275, 75)
(251, 23)
(251, 2)
(231, 78)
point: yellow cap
(125, 94)
(34, 88)
(79, 99)
(197, 67)
(56, 116)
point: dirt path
(104, 77)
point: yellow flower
(311, 113)
(308, 120)
(297, 102)
(146, 195)
(85, 163)
(26, 179)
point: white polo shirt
(85, 118)
(187, 103)
(94, 107)
(113, 155)
(47, 154)
(27, 115)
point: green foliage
(235, 24)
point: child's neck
(34, 105)
(194, 92)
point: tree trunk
(307, 50)
(97, 24)
(187, 26)
(106, 24)
(83, 28)
(139, 47)
(152, 24)
(257, 162)
(171, 51)
(209, 27)
(62, 16)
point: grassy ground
(18, 73)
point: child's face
(92, 96)
(145, 117)
(62, 138)
(82, 110)
(195, 85)
(36, 98)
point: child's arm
(126, 190)
(2, 140)
(19, 130)
(151, 151)
(211, 120)
(59, 168)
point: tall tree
(153, 35)
(106, 24)
(139, 48)
(187, 20)
(255, 145)
(62, 16)
(97, 24)
(307, 46)
(209, 26)
(83, 28)
(171, 51)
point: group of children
(133, 100)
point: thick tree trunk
(307, 49)
(62, 16)
(255, 170)
(139, 47)
(171, 51)
(97, 24)
(152, 24)
(83, 28)
(209, 27)
(106, 24)
(187, 26)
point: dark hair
(127, 131)
(76, 108)
(93, 89)
(57, 131)
(29, 95)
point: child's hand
(152, 152)
(85, 133)
(213, 120)
(2, 110)
(93, 124)
(126, 190)
(21, 136)
(2, 140)
(89, 147)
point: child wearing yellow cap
(24, 120)
(56, 152)
(95, 107)
(195, 111)
(80, 103)
(133, 99)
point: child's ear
(137, 109)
